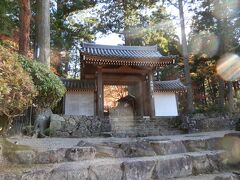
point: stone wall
(77, 126)
(204, 123)
(126, 126)
(117, 125)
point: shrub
(49, 86)
(16, 88)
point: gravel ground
(57, 143)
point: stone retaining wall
(77, 126)
(90, 126)
(204, 123)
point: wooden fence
(26, 119)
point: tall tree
(190, 106)
(9, 13)
(70, 25)
(123, 17)
(25, 17)
(43, 31)
(217, 19)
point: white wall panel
(165, 104)
(79, 103)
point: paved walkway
(57, 143)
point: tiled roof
(159, 86)
(75, 84)
(125, 55)
(169, 86)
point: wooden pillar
(151, 101)
(63, 103)
(141, 98)
(95, 100)
(145, 96)
(100, 91)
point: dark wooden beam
(141, 97)
(100, 91)
(151, 100)
(126, 70)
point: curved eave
(129, 61)
(79, 90)
(169, 86)
(172, 90)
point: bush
(49, 86)
(23, 82)
(16, 88)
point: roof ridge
(120, 47)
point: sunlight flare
(228, 67)
(204, 43)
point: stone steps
(127, 127)
(149, 146)
(51, 156)
(215, 176)
(191, 156)
(139, 168)
(141, 132)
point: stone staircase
(206, 156)
(128, 126)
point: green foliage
(140, 22)
(70, 24)
(9, 11)
(213, 33)
(16, 87)
(17, 90)
(49, 86)
(49, 132)
(119, 16)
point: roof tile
(169, 86)
(75, 84)
(148, 54)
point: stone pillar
(100, 91)
(151, 101)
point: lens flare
(232, 145)
(225, 8)
(228, 67)
(204, 43)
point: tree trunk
(230, 97)
(25, 17)
(221, 94)
(190, 107)
(43, 32)
(127, 38)
(227, 43)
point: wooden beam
(121, 78)
(150, 86)
(126, 70)
(100, 91)
(141, 97)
